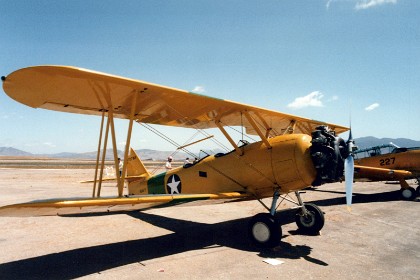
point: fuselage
(286, 166)
(409, 161)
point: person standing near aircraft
(168, 164)
(120, 166)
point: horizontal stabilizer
(128, 178)
(100, 205)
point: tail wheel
(264, 230)
(311, 222)
(408, 193)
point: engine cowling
(328, 153)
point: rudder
(135, 166)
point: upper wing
(362, 172)
(98, 205)
(77, 90)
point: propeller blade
(349, 176)
(349, 169)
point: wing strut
(268, 129)
(237, 149)
(110, 124)
(257, 129)
(98, 153)
(127, 145)
(114, 140)
(290, 128)
(101, 174)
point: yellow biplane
(399, 164)
(293, 152)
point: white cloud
(311, 100)
(363, 4)
(372, 107)
(13, 116)
(333, 98)
(366, 4)
(199, 89)
(49, 144)
(329, 3)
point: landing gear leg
(263, 229)
(309, 218)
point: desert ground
(378, 239)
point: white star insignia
(173, 185)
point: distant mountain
(9, 151)
(147, 154)
(88, 155)
(144, 154)
(370, 141)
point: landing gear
(409, 193)
(265, 230)
(310, 220)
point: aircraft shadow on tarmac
(186, 236)
(357, 198)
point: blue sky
(318, 59)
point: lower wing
(379, 174)
(98, 205)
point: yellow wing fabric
(77, 90)
(99, 205)
(362, 172)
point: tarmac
(378, 239)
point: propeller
(349, 171)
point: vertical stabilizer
(135, 166)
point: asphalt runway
(377, 240)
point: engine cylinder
(328, 153)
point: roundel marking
(173, 185)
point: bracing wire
(166, 138)
(242, 128)
(249, 137)
(217, 142)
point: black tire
(418, 191)
(264, 230)
(311, 223)
(408, 193)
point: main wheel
(264, 230)
(313, 221)
(408, 193)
